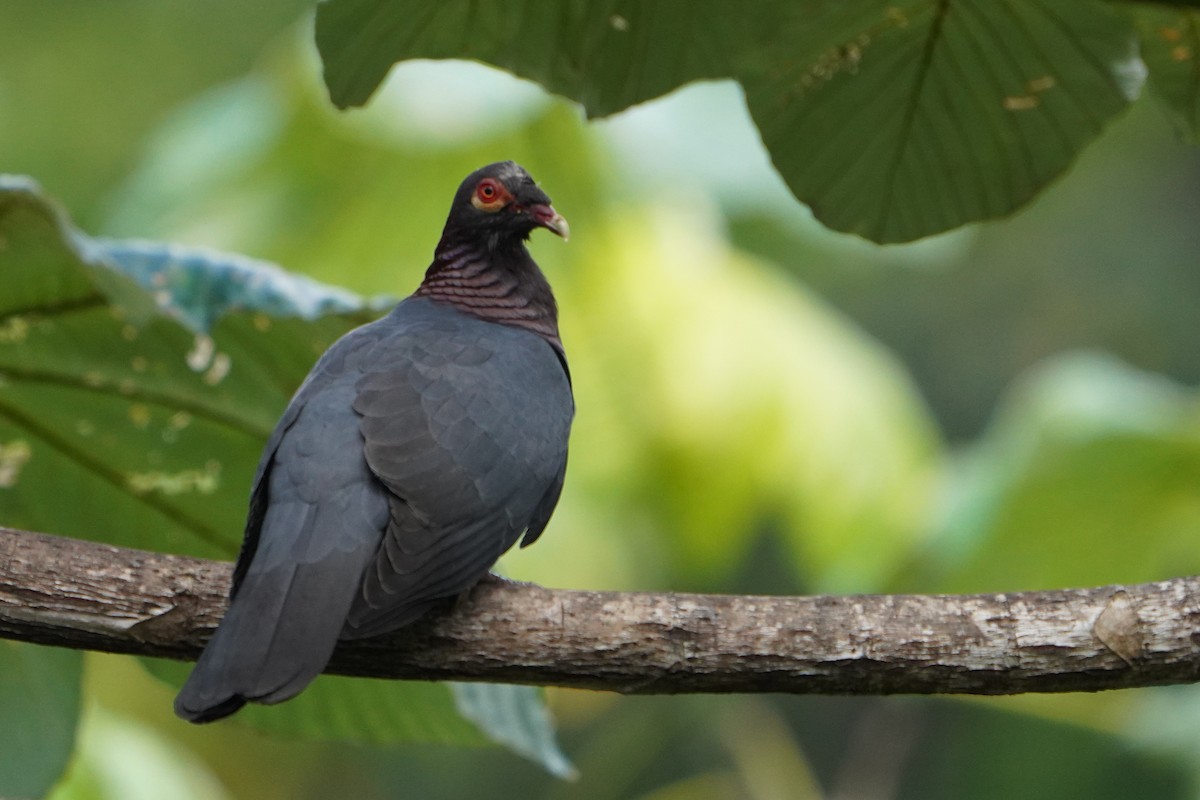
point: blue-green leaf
(200, 286)
(515, 716)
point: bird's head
(499, 203)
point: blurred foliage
(763, 406)
(1083, 451)
(1170, 44)
(970, 311)
(118, 757)
(128, 65)
(39, 710)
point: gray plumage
(418, 450)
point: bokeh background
(764, 406)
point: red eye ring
(487, 190)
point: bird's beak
(545, 216)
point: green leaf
(147, 435)
(608, 55)
(515, 716)
(1171, 50)
(150, 430)
(919, 117)
(1088, 476)
(39, 709)
(890, 120)
(39, 278)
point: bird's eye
(490, 195)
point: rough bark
(77, 594)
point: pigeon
(419, 449)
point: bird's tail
(277, 636)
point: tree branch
(83, 595)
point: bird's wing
(465, 422)
(316, 518)
(545, 507)
(259, 493)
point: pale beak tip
(559, 225)
(551, 220)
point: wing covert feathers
(419, 449)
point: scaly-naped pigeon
(418, 450)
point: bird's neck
(495, 282)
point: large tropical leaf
(893, 120)
(919, 117)
(138, 383)
(607, 54)
(119, 422)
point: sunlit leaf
(39, 708)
